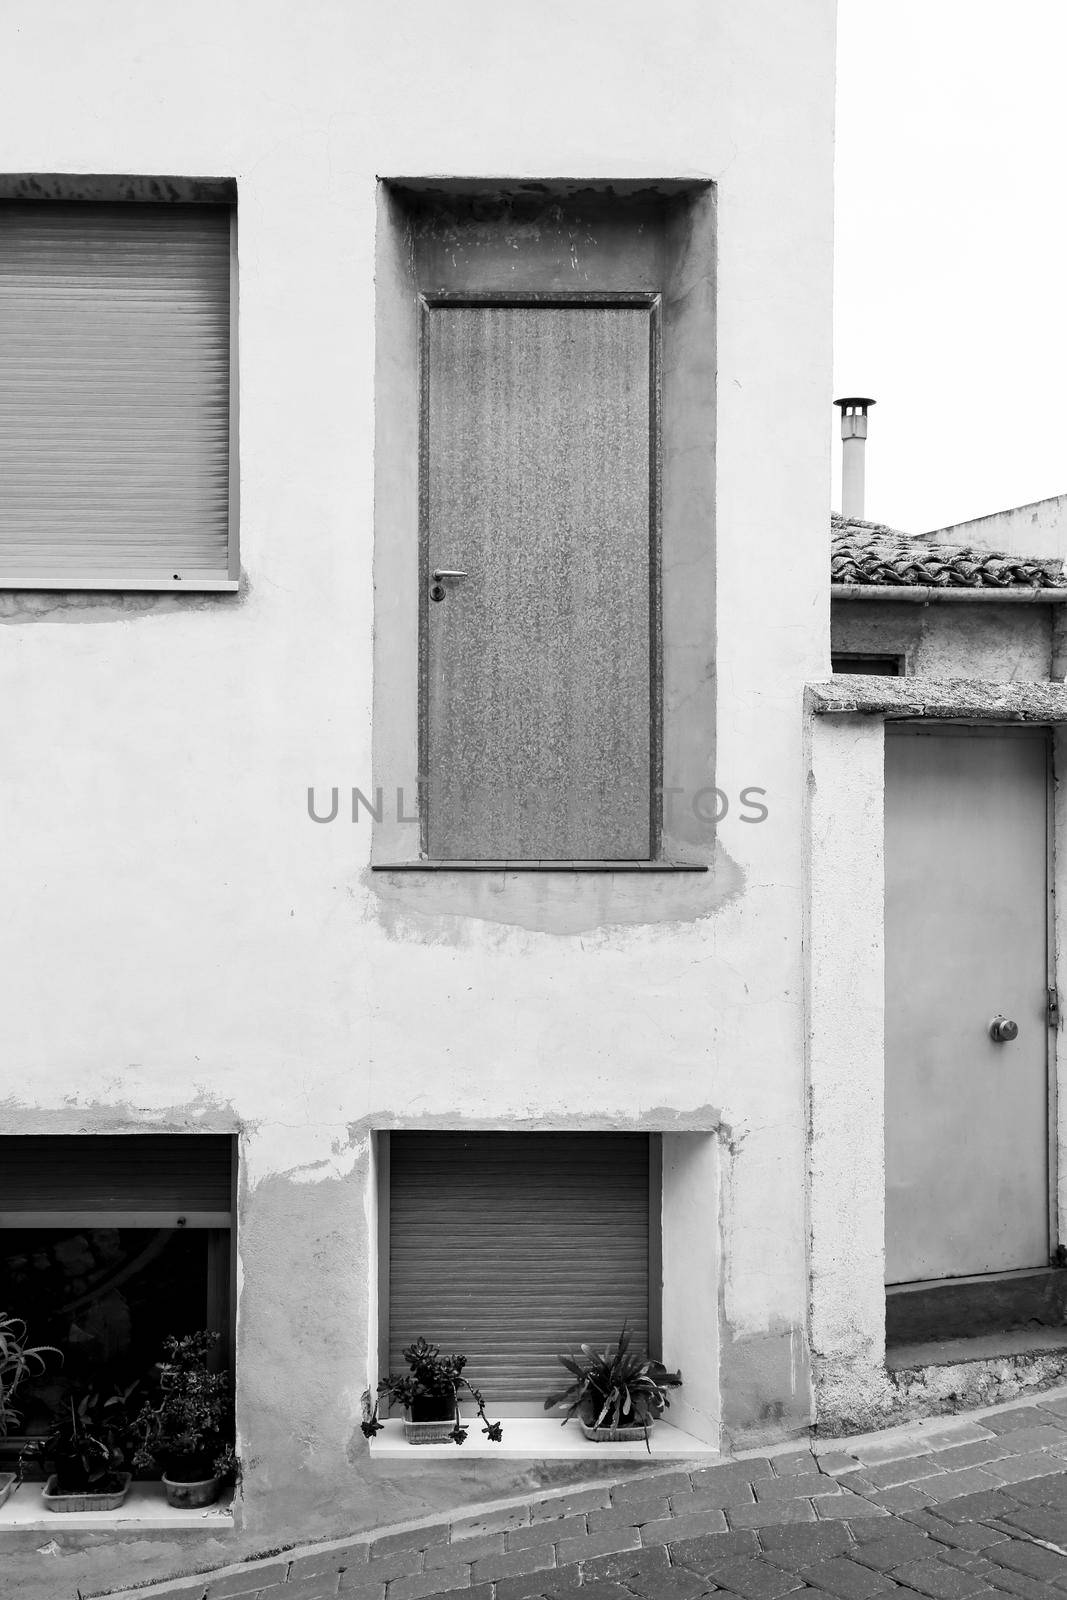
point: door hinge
(1053, 1006)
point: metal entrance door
(966, 941)
(539, 516)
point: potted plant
(18, 1360)
(617, 1394)
(429, 1392)
(86, 1452)
(187, 1430)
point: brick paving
(950, 1510)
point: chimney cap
(855, 400)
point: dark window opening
(105, 1297)
(107, 1245)
(872, 666)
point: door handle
(441, 576)
(1002, 1030)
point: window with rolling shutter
(116, 395)
(157, 1177)
(515, 1247)
(108, 1244)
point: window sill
(538, 866)
(21, 581)
(542, 1438)
(145, 1507)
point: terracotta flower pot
(433, 1408)
(628, 1434)
(86, 1500)
(431, 1419)
(629, 1431)
(186, 1496)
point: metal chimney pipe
(853, 446)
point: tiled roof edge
(870, 553)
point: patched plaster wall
(182, 946)
(1009, 643)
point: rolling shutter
(144, 1179)
(114, 395)
(514, 1248)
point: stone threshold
(1011, 1343)
(1033, 1300)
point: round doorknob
(1002, 1030)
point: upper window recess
(554, 341)
(117, 412)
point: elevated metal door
(539, 511)
(967, 1178)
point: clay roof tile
(871, 553)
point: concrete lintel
(541, 188)
(974, 700)
(653, 1119)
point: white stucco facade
(185, 949)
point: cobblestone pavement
(949, 1509)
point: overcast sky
(951, 260)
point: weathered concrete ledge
(976, 700)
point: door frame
(590, 300)
(845, 993)
(920, 727)
(635, 238)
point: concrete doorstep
(949, 1508)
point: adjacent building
(936, 966)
